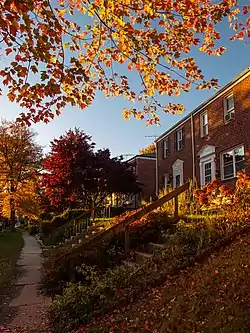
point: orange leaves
(240, 35)
(130, 66)
(126, 114)
(151, 38)
(62, 12)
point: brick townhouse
(213, 141)
(144, 167)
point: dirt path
(27, 310)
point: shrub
(33, 229)
(111, 253)
(121, 285)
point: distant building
(144, 167)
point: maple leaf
(80, 58)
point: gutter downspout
(156, 171)
(193, 150)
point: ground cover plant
(11, 244)
(122, 285)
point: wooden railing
(124, 224)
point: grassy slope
(213, 297)
(11, 244)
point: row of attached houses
(213, 141)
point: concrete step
(128, 263)
(152, 247)
(142, 256)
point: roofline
(198, 109)
(142, 157)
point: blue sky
(104, 119)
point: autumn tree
(75, 175)
(26, 199)
(65, 51)
(148, 150)
(63, 168)
(19, 160)
(107, 176)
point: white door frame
(207, 155)
(178, 170)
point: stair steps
(152, 247)
(142, 256)
(128, 263)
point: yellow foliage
(148, 150)
(26, 201)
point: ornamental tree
(63, 168)
(75, 175)
(19, 160)
(107, 176)
(65, 51)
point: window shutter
(168, 145)
(163, 148)
(175, 141)
(183, 138)
(225, 105)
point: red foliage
(218, 195)
(74, 174)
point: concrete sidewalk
(30, 307)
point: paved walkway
(29, 307)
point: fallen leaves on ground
(213, 297)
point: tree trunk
(93, 213)
(12, 208)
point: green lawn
(11, 244)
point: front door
(177, 180)
(207, 171)
(178, 173)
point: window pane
(208, 179)
(205, 129)
(207, 172)
(228, 171)
(204, 119)
(239, 153)
(228, 165)
(228, 158)
(177, 180)
(239, 158)
(240, 166)
(230, 103)
(207, 168)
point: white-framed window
(204, 124)
(166, 148)
(167, 181)
(229, 108)
(178, 139)
(232, 161)
(207, 172)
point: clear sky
(104, 120)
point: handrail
(125, 223)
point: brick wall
(226, 135)
(221, 135)
(145, 171)
(165, 164)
